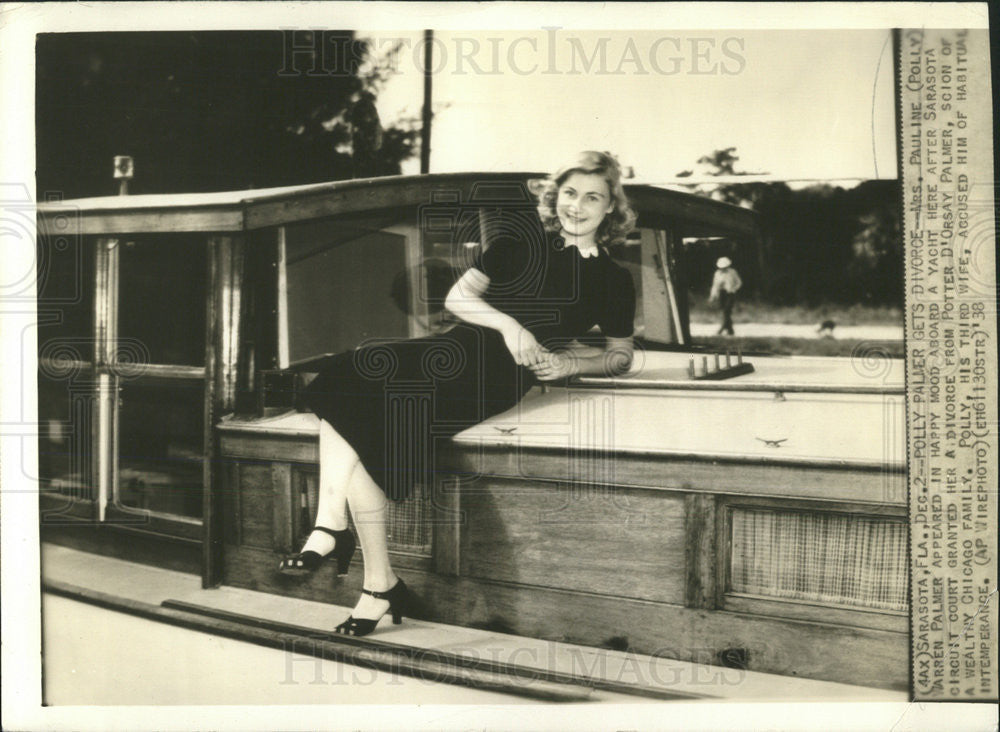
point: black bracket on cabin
(277, 391)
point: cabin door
(152, 435)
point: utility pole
(425, 131)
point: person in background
(725, 284)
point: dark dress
(393, 400)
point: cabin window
(160, 376)
(66, 404)
(820, 557)
(161, 310)
(629, 255)
(160, 446)
(339, 280)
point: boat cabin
(711, 507)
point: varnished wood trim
(161, 523)
(846, 484)
(281, 313)
(211, 509)
(55, 508)
(846, 615)
(447, 527)
(272, 447)
(699, 551)
(157, 219)
(138, 372)
(120, 521)
(281, 483)
(133, 546)
(686, 385)
(239, 210)
(474, 443)
(812, 506)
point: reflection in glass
(66, 405)
(66, 410)
(340, 283)
(161, 298)
(161, 428)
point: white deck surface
(96, 656)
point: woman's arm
(615, 359)
(465, 300)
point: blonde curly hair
(616, 224)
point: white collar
(585, 253)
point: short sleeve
(617, 318)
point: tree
(207, 111)
(818, 244)
(721, 161)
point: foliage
(208, 110)
(819, 244)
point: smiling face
(582, 203)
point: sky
(797, 104)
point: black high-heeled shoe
(399, 601)
(306, 562)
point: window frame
(808, 610)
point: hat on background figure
(723, 262)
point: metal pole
(124, 171)
(425, 132)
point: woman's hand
(557, 365)
(523, 346)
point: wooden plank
(157, 220)
(660, 472)
(256, 497)
(778, 502)
(179, 526)
(231, 503)
(211, 508)
(257, 535)
(446, 504)
(575, 537)
(855, 618)
(56, 509)
(815, 650)
(699, 550)
(239, 210)
(126, 543)
(281, 481)
(263, 447)
(166, 371)
(254, 477)
(692, 215)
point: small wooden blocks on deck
(714, 368)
